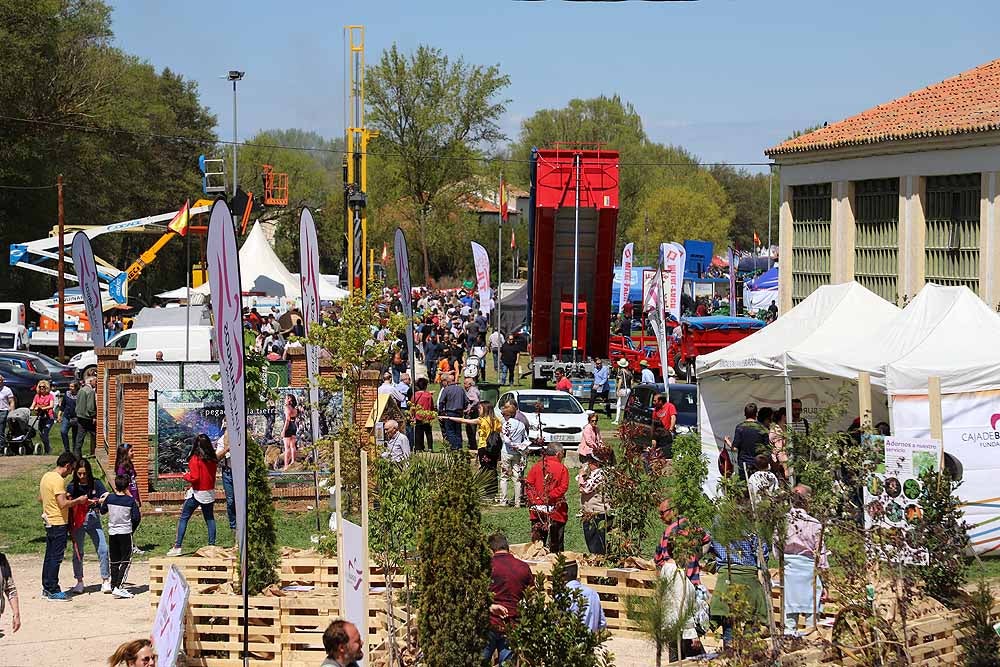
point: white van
(142, 344)
(13, 334)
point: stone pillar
(785, 221)
(114, 369)
(298, 369)
(135, 424)
(104, 355)
(842, 232)
(912, 236)
(989, 238)
(370, 380)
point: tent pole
(788, 414)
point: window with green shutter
(810, 239)
(952, 217)
(876, 236)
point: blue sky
(723, 79)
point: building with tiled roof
(898, 195)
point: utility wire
(429, 156)
(30, 187)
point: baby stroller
(20, 432)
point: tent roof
(830, 319)
(947, 332)
(261, 270)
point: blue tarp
(698, 258)
(765, 281)
(635, 289)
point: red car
(704, 335)
(621, 347)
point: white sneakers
(174, 551)
(78, 589)
(122, 594)
(106, 586)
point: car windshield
(552, 404)
(49, 362)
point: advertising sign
(355, 597)
(180, 416)
(309, 282)
(626, 275)
(971, 429)
(482, 261)
(168, 625)
(223, 261)
(672, 260)
(90, 287)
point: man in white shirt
(495, 343)
(397, 445)
(387, 388)
(647, 374)
(512, 457)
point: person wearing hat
(600, 386)
(623, 387)
(594, 505)
(647, 374)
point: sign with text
(309, 284)
(627, 255)
(482, 262)
(355, 597)
(168, 625)
(90, 287)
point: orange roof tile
(969, 102)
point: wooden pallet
(214, 634)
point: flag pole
(500, 203)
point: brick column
(115, 369)
(370, 380)
(298, 369)
(135, 425)
(104, 355)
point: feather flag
(179, 225)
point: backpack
(494, 443)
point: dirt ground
(83, 631)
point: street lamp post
(234, 76)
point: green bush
(549, 632)
(981, 642)
(944, 534)
(262, 538)
(454, 571)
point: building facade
(899, 195)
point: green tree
(748, 194)
(454, 574)
(550, 631)
(661, 617)
(434, 115)
(944, 533)
(678, 212)
(62, 76)
(262, 537)
(981, 642)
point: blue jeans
(452, 432)
(207, 510)
(506, 372)
(431, 368)
(3, 431)
(44, 425)
(91, 527)
(497, 643)
(227, 486)
(55, 549)
(65, 428)
(496, 360)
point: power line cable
(318, 149)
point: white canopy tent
(794, 357)
(262, 271)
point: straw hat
(622, 363)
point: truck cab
(13, 333)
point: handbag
(494, 443)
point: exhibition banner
(971, 451)
(90, 287)
(309, 282)
(672, 262)
(626, 284)
(482, 262)
(355, 597)
(223, 262)
(405, 293)
(168, 625)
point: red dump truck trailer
(573, 219)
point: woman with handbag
(488, 429)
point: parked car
(21, 382)
(562, 416)
(639, 408)
(58, 375)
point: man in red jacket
(510, 578)
(546, 486)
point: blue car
(639, 408)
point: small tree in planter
(981, 642)
(550, 631)
(944, 534)
(634, 488)
(454, 571)
(660, 616)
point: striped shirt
(665, 550)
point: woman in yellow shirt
(489, 448)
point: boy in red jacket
(546, 486)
